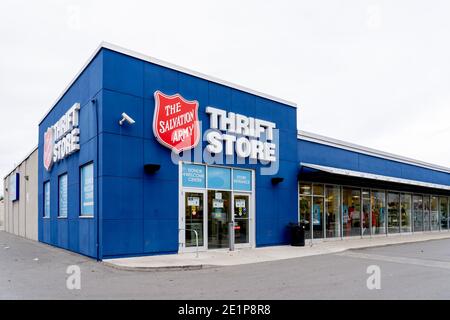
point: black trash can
(297, 234)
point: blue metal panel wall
(310, 152)
(137, 212)
(140, 211)
(74, 233)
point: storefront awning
(365, 175)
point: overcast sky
(375, 73)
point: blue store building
(140, 157)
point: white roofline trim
(372, 176)
(313, 137)
(140, 56)
(72, 81)
(169, 65)
(22, 161)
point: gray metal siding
(21, 216)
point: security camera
(126, 118)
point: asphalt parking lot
(31, 270)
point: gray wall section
(2, 215)
(21, 216)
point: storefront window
(348, 211)
(47, 199)
(305, 189)
(378, 212)
(393, 213)
(87, 190)
(219, 178)
(332, 219)
(366, 212)
(305, 214)
(318, 190)
(443, 205)
(418, 213)
(351, 212)
(405, 212)
(62, 200)
(426, 213)
(434, 213)
(318, 217)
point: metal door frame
(204, 191)
(182, 220)
(251, 211)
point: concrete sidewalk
(221, 258)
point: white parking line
(401, 260)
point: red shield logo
(175, 122)
(48, 149)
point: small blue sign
(14, 187)
(242, 180)
(316, 214)
(194, 175)
(219, 178)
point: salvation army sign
(175, 122)
(176, 126)
(48, 149)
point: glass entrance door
(219, 216)
(194, 214)
(241, 210)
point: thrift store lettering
(66, 134)
(247, 127)
(63, 138)
(176, 120)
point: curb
(158, 269)
(208, 266)
(395, 244)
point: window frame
(59, 195)
(80, 213)
(401, 192)
(46, 215)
